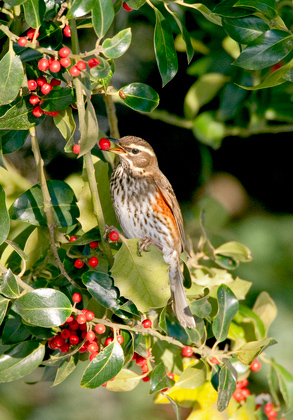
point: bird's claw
(143, 245)
(108, 230)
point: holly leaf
(13, 140)
(193, 376)
(245, 30)
(8, 285)
(19, 117)
(118, 45)
(65, 123)
(89, 130)
(125, 380)
(58, 99)
(34, 11)
(65, 369)
(140, 97)
(80, 8)
(14, 330)
(285, 380)
(12, 75)
(3, 307)
(228, 306)
(4, 217)
(249, 351)
(142, 279)
(159, 379)
(227, 385)
(102, 16)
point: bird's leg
(145, 242)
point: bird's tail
(180, 302)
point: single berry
(65, 333)
(126, 7)
(272, 415)
(140, 360)
(74, 325)
(93, 347)
(93, 262)
(46, 88)
(94, 244)
(89, 315)
(108, 341)
(31, 32)
(74, 340)
(73, 238)
(245, 392)
(32, 84)
(122, 94)
(34, 99)
(37, 111)
(114, 236)
(93, 355)
(54, 113)
(268, 408)
(74, 71)
(55, 82)
(69, 319)
(22, 41)
(146, 379)
(187, 351)
(67, 31)
(64, 52)
(55, 66)
(238, 395)
(104, 144)
(59, 341)
(81, 319)
(255, 365)
(93, 62)
(41, 80)
(147, 323)
(64, 348)
(76, 149)
(144, 368)
(214, 361)
(78, 263)
(100, 328)
(242, 384)
(90, 336)
(83, 327)
(65, 62)
(51, 344)
(43, 64)
(81, 65)
(171, 375)
(76, 297)
(120, 339)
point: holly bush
(72, 294)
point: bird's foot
(108, 232)
(144, 243)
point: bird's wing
(170, 199)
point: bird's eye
(135, 151)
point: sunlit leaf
(4, 217)
(12, 75)
(34, 11)
(249, 351)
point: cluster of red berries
(93, 261)
(271, 412)
(241, 392)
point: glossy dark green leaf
(193, 376)
(201, 307)
(65, 123)
(228, 306)
(40, 333)
(185, 36)
(26, 54)
(86, 238)
(102, 16)
(267, 7)
(285, 380)
(118, 45)
(159, 379)
(19, 117)
(275, 78)
(268, 49)
(166, 55)
(43, 307)
(58, 99)
(13, 140)
(80, 8)
(8, 285)
(4, 217)
(249, 351)
(103, 367)
(102, 289)
(231, 100)
(245, 30)
(89, 130)
(14, 331)
(227, 385)
(51, 36)
(226, 9)
(11, 79)
(29, 207)
(140, 97)
(20, 360)
(3, 307)
(102, 70)
(65, 369)
(15, 2)
(34, 11)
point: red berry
(65, 333)
(76, 149)
(54, 113)
(108, 341)
(268, 408)
(43, 64)
(46, 88)
(55, 66)
(146, 379)
(93, 355)
(83, 349)
(81, 319)
(74, 71)
(34, 99)
(242, 384)
(100, 328)
(94, 244)
(22, 41)
(74, 325)
(64, 52)
(78, 263)
(69, 319)
(32, 84)
(93, 262)
(51, 344)
(37, 111)
(76, 297)
(93, 62)
(120, 339)
(214, 361)
(64, 348)
(41, 80)
(67, 31)
(170, 375)
(55, 82)
(245, 392)
(31, 32)
(238, 395)
(59, 341)
(89, 316)
(144, 368)
(83, 327)
(114, 236)
(81, 65)
(126, 7)
(255, 365)
(73, 238)
(272, 414)
(65, 62)
(93, 347)
(104, 144)
(90, 336)
(147, 323)
(187, 351)
(140, 361)
(74, 340)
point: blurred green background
(243, 185)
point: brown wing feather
(170, 198)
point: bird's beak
(119, 150)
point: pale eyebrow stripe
(141, 148)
